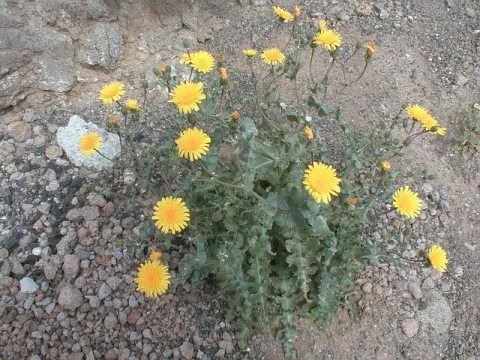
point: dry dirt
(425, 52)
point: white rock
(28, 286)
(68, 138)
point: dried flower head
(235, 115)
(352, 201)
(296, 11)
(308, 132)
(164, 67)
(223, 73)
(386, 165)
(370, 48)
(155, 255)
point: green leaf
(313, 102)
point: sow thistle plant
(274, 217)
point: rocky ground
(69, 247)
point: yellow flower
(171, 215)
(223, 73)
(296, 11)
(132, 104)
(249, 53)
(153, 278)
(111, 92)
(440, 131)
(273, 56)
(155, 255)
(321, 182)
(386, 165)
(407, 202)
(192, 144)
(283, 15)
(438, 258)
(330, 39)
(308, 132)
(417, 112)
(185, 59)
(90, 142)
(370, 48)
(202, 61)
(322, 25)
(187, 96)
(235, 115)
(429, 123)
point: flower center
(192, 142)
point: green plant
(275, 251)
(468, 139)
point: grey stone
(90, 212)
(437, 313)
(5, 280)
(74, 214)
(364, 10)
(110, 321)
(50, 270)
(70, 297)
(94, 301)
(367, 288)
(53, 152)
(19, 131)
(428, 284)
(28, 285)
(67, 138)
(67, 242)
(470, 12)
(98, 9)
(3, 253)
(415, 289)
(96, 200)
(132, 301)
(187, 350)
(410, 327)
(220, 354)
(104, 291)
(427, 188)
(102, 46)
(55, 74)
(461, 80)
(113, 282)
(226, 345)
(71, 265)
(17, 267)
(6, 268)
